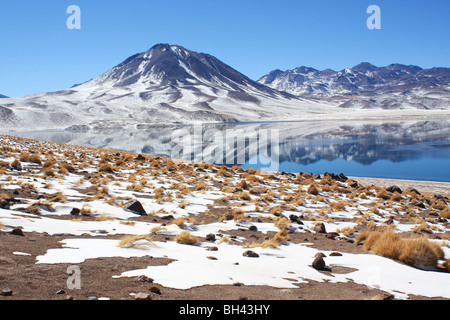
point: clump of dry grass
(179, 222)
(186, 237)
(338, 206)
(57, 197)
(49, 172)
(106, 167)
(383, 194)
(313, 189)
(346, 231)
(417, 252)
(280, 237)
(129, 241)
(242, 185)
(33, 158)
(445, 213)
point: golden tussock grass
(445, 213)
(278, 239)
(200, 186)
(33, 158)
(242, 185)
(49, 172)
(105, 218)
(57, 197)
(178, 221)
(129, 240)
(346, 231)
(106, 167)
(186, 237)
(338, 206)
(182, 204)
(417, 252)
(243, 195)
(313, 189)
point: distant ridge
(394, 86)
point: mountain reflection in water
(416, 150)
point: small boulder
(155, 290)
(319, 263)
(75, 212)
(142, 296)
(394, 189)
(251, 254)
(136, 207)
(210, 237)
(140, 157)
(6, 292)
(320, 228)
(17, 232)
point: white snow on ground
(274, 267)
(194, 265)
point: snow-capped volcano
(2, 96)
(165, 84)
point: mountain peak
(364, 66)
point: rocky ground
(53, 194)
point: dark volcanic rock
(136, 207)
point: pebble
(7, 292)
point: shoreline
(437, 187)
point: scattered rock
(389, 221)
(17, 232)
(145, 279)
(136, 207)
(155, 290)
(6, 292)
(295, 218)
(253, 228)
(212, 248)
(140, 157)
(210, 237)
(353, 184)
(320, 255)
(142, 296)
(342, 177)
(332, 235)
(211, 258)
(69, 297)
(16, 165)
(420, 205)
(251, 254)
(318, 263)
(60, 292)
(413, 190)
(335, 254)
(75, 212)
(394, 189)
(320, 228)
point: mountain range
(171, 84)
(2, 96)
(395, 86)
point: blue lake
(413, 150)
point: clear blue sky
(39, 53)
